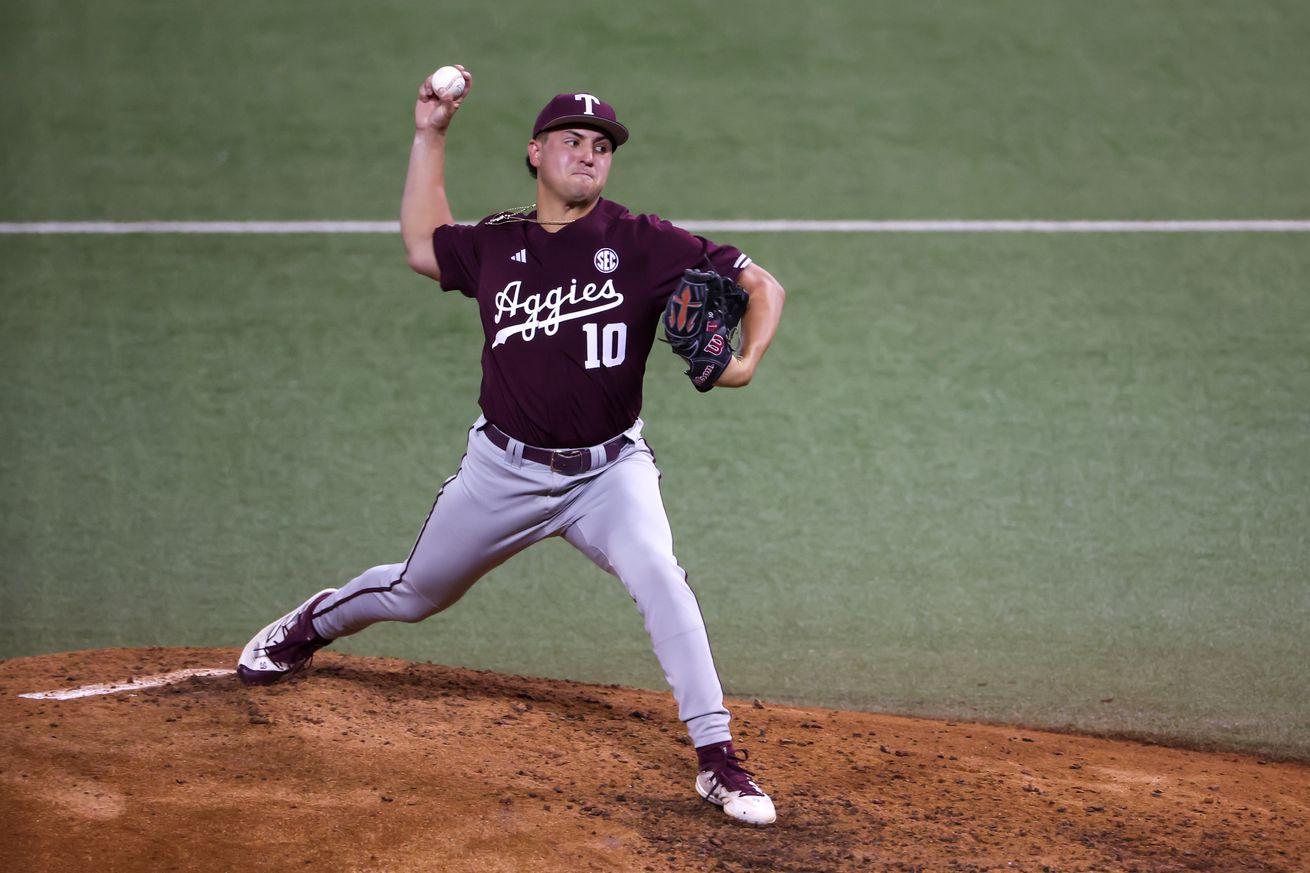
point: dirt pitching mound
(378, 764)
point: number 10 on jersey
(606, 347)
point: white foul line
(134, 685)
(157, 227)
(1002, 226)
(696, 226)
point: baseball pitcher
(571, 292)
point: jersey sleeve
(458, 257)
(677, 250)
(727, 260)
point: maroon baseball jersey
(570, 317)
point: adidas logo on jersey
(521, 256)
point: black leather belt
(566, 462)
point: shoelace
(289, 650)
(733, 776)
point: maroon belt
(566, 462)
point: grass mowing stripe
(729, 226)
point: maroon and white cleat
(284, 648)
(724, 782)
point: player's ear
(534, 153)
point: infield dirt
(376, 764)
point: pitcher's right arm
(423, 207)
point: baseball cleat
(284, 648)
(724, 782)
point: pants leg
(620, 523)
(487, 512)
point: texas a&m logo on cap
(583, 109)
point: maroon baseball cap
(584, 110)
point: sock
(708, 757)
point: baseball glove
(699, 321)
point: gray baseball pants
(498, 504)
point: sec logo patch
(606, 260)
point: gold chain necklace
(520, 213)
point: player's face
(573, 163)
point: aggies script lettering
(547, 311)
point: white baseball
(450, 79)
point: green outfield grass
(998, 477)
(1054, 480)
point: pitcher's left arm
(758, 325)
